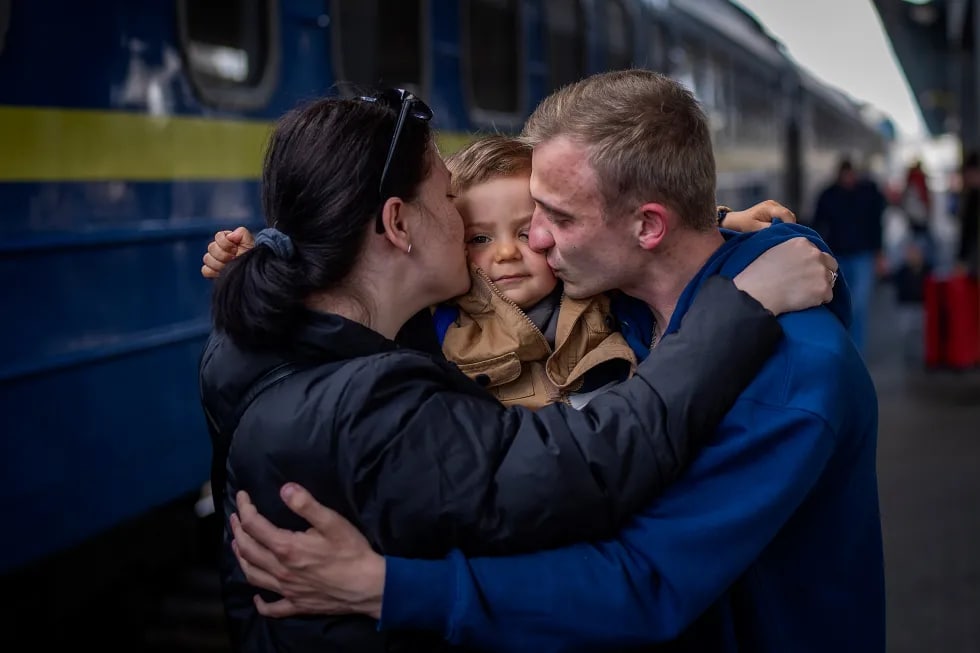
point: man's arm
(649, 584)
(503, 480)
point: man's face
(589, 253)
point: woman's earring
(409, 250)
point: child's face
(496, 216)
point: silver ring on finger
(833, 278)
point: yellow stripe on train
(85, 145)
(53, 144)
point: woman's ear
(395, 217)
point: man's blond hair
(488, 158)
(647, 136)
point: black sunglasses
(407, 105)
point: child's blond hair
(488, 158)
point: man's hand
(225, 246)
(757, 217)
(328, 569)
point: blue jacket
(770, 542)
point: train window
(567, 46)
(704, 78)
(619, 36)
(681, 67)
(656, 55)
(4, 21)
(711, 90)
(492, 49)
(756, 109)
(378, 43)
(231, 48)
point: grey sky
(843, 42)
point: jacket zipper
(493, 288)
(520, 311)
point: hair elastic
(277, 241)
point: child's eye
(451, 196)
(523, 235)
(478, 240)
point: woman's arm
(463, 471)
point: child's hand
(226, 246)
(757, 217)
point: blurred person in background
(916, 199)
(917, 205)
(968, 213)
(848, 216)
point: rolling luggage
(952, 316)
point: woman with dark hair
(303, 369)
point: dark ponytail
(320, 191)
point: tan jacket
(495, 343)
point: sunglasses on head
(406, 104)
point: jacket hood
(740, 249)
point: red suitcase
(952, 329)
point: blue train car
(131, 131)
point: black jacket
(850, 219)
(423, 460)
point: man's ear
(395, 217)
(652, 225)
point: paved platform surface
(929, 478)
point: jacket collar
(328, 336)
(493, 336)
(497, 326)
(740, 249)
(228, 371)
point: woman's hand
(757, 217)
(791, 276)
(225, 246)
(328, 569)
